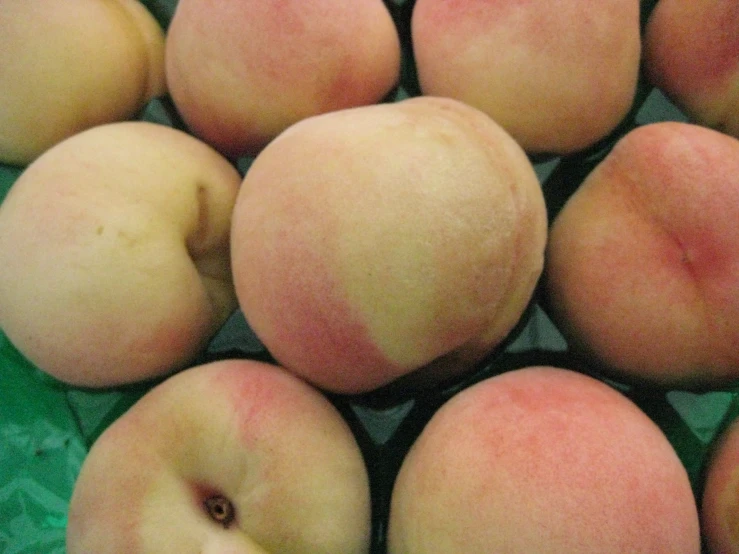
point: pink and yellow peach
(558, 76)
(691, 52)
(234, 456)
(643, 260)
(241, 71)
(382, 241)
(542, 460)
(114, 248)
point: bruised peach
(691, 52)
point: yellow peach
(68, 65)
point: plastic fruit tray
(46, 427)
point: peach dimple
(642, 264)
(210, 460)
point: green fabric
(41, 450)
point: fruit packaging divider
(46, 428)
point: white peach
(114, 248)
(558, 76)
(241, 71)
(236, 457)
(384, 242)
(691, 53)
(642, 265)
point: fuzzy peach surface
(720, 496)
(691, 52)
(542, 460)
(557, 76)
(643, 261)
(241, 71)
(68, 65)
(226, 428)
(114, 248)
(394, 237)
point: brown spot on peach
(220, 509)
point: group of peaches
(376, 242)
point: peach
(542, 460)
(377, 242)
(235, 457)
(643, 260)
(114, 248)
(68, 65)
(558, 76)
(720, 495)
(691, 52)
(241, 71)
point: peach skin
(382, 241)
(542, 460)
(114, 249)
(68, 65)
(231, 457)
(241, 71)
(691, 52)
(642, 271)
(558, 76)
(720, 495)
